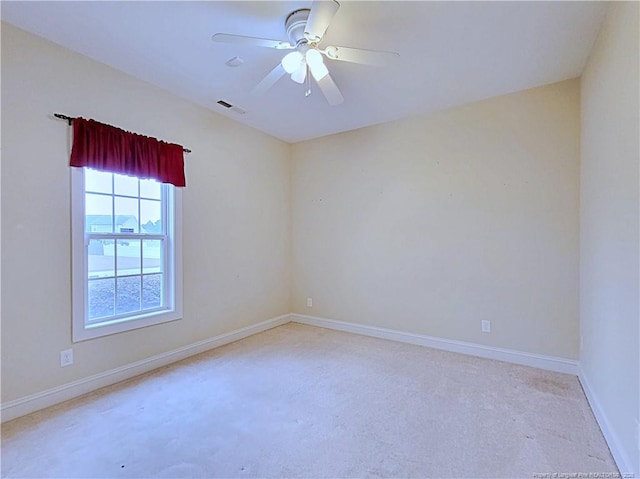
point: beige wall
(236, 215)
(431, 224)
(609, 230)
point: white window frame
(82, 329)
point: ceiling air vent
(231, 107)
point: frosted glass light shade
(316, 65)
(300, 74)
(292, 61)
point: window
(126, 250)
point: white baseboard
(625, 466)
(28, 404)
(549, 363)
(34, 402)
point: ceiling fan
(305, 29)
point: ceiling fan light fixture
(292, 62)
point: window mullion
(141, 269)
(115, 280)
(139, 215)
(124, 236)
(141, 248)
(113, 204)
(115, 244)
(164, 296)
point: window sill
(97, 330)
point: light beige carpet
(299, 401)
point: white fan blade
(357, 55)
(252, 41)
(267, 82)
(322, 11)
(330, 90)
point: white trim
(613, 441)
(78, 261)
(540, 361)
(34, 402)
(28, 404)
(172, 272)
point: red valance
(107, 148)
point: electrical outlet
(309, 302)
(486, 326)
(66, 357)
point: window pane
(150, 189)
(97, 181)
(151, 216)
(128, 297)
(101, 298)
(125, 185)
(98, 214)
(128, 253)
(121, 237)
(126, 215)
(101, 259)
(151, 256)
(151, 291)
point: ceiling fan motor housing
(295, 25)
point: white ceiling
(450, 53)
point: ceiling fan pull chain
(307, 91)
